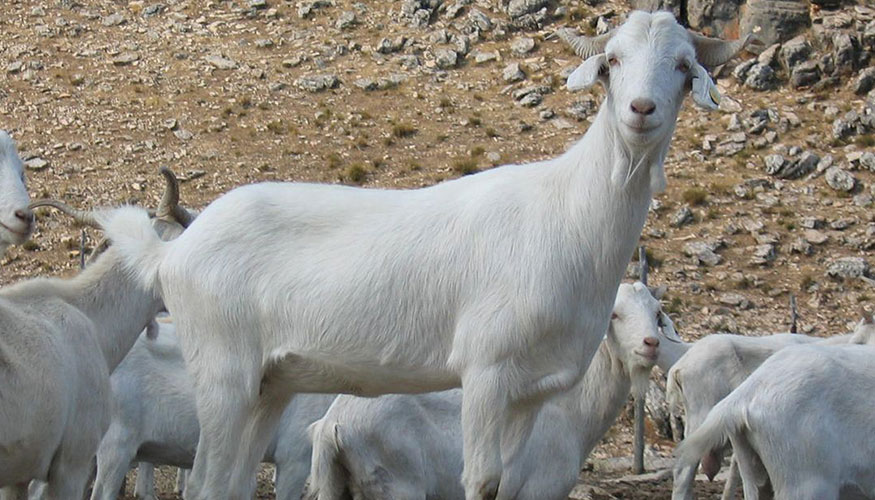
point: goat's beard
(635, 154)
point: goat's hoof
(488, 490)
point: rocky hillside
(769, 197)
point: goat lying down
(799, 426)
(154, 420)
(16, 218)
(410, 446)
(59, 340)
(713, 367)
(501, 282)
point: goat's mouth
(18, 236)
(641, 127)
(649, 354)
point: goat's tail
(707, 442)
(328, 476)
(136, 241)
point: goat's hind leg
(484, 405)
(223, 413)
(144, 488)
(68, 478)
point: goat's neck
(670, 352)
(596, 204)
(120, 308)
(597, 399)
(111, 298)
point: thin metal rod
(638, 464)
(642, 262)
(82, 250)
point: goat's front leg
(14, 492)
(484, 406)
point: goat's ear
(152, 330)
(587, 73)
(704, 91)
(658, 292)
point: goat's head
(638, 327)
(169, 219)
(646, 65)
(864, 332)
(16, 218)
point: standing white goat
(59, 339)
(154, 421)
(502, 281)
(16, 218)
(798, 426)
(410, 446)
(712, 368)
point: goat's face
(16, 219)
(647, 64)
(638, 326)
(864, 332)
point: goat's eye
(659, 322)
(614, 316)
(683, 66)
(613, 61)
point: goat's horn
(585, 46)
(868, 318)
(80, 216)
(97, 251)
(170, 198)
(712, 52)
(169, 206)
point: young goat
(153, 420)
(711, 369)
(59, 339)
(410, 446)
(16, 218)
(501, 282)
(797, 426)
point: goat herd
(506, 283)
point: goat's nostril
(651, 341)
(643, 106)
(25, 215)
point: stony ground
(765, 197)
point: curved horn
(868, 318)
(585, 46)
(97, 251)
(170, 198)
(80, 216)
(169, 207)
(712, 52)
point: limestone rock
(775, 20)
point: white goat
(59, 339)
(799, 426)
(712, 368)
(16, 218)
(154, 421)
(502, 281)
(410, 446)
